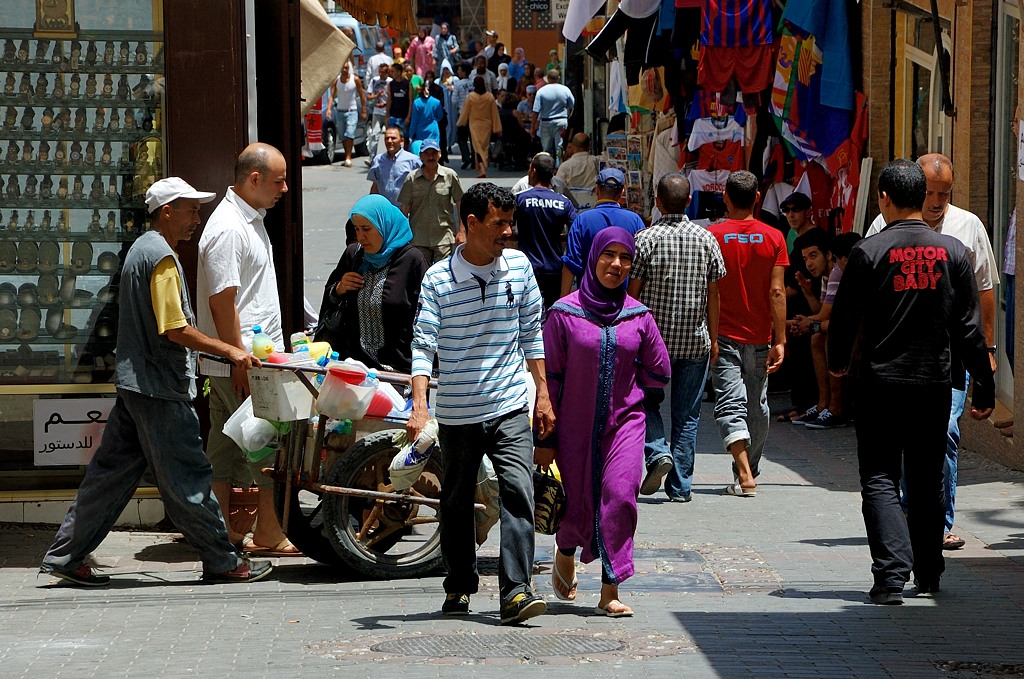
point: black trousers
(901, 429)
(465, 149)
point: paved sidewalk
(726, 587)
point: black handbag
(549, 501)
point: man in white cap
(152, 421)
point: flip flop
(604, 610)
(558, 579)
(736, 490)
(283, 548)
(787, 416)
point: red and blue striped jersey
(736, 23)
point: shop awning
(323, 51)
(397, 14)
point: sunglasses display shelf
(81, 140)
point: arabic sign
(68, 431)
(559, 10)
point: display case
(81, 139)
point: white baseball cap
(172, 188)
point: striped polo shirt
(481, 332)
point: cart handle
(382, 375)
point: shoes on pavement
(368, 162)
(952, 542)
(810, 415)
(926, 587)
(736, 490)
(522, 607)
(657, 471)
(886, 597)
(82, 576)
(680, 498)
(828, 420)
(455, 604)
(347, 163)
(247, 571)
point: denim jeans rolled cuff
(655, 443)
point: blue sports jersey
(541, 217)
(737, 23)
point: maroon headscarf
(604, 303)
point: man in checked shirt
(675, 273)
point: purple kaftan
(595, 374)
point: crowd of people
(432, 89)
(476, 288)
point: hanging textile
(736, 23)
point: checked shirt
(676, 259)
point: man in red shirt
(751, 329)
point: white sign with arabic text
(68, 430)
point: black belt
(548, 120)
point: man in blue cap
(606, 212)
(427, 198)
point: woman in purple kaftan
(601, 346)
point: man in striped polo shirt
(480, 314)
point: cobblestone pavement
(725, 587)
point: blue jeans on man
(688, 377)
(551, 136)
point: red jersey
(721, 155)
(751, 250)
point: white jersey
(708, 130)
(968, 229)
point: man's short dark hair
(814, 238)
(674, 192)
(479, 197)
(543, 166)
(379, 46)
(905, 184)
(255, 159)
(395, 128)
(581, 140)
(741, 187)
(842, 245)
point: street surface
(771, 586)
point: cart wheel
(306, 524)
(376, 538)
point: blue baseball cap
(611, 177)
(429, 144)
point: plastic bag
(487, 495)
(252, 434)
(412, 456)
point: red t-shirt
(751, 250)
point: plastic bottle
(371, 380)
(262, 345)
(325, 362)
(298, 339)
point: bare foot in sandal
(610, 605)
(564, 587)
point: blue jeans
(952, 446)
(508, 442)
(165, 434)
(740, 378)
(551, 136)
(688, 376)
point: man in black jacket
(907, 309)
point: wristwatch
(992, 350)
(815, 327)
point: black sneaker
(810, 415)
(926, 587)
(81, 576)
(659, 469)
(247, 571)
(828, 420)
(522, 607)
(455, 604)
(886, 597)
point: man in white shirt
(580, 168)
(377, 95)
(374, 62)
(967, 228)
(236, 290)
(551, 108)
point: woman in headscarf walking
(599, 444)
(370, 299)
(480, 112)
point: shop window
(926, 128)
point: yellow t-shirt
(165, 291)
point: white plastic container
(340, 399)
(279, 395)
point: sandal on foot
(952, 542)
(283, 548)
(736, 490)
(787, 416)
(606, 610)
(559, 583)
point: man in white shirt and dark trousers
(236, 290)
(480, 314)
(948, 219)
